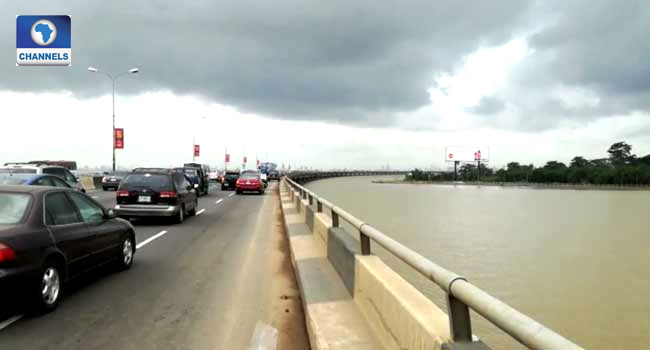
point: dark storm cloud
(598, 46)
(352, 62)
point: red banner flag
(197, 150)
(118, 138)
(227, 158)
(244, 159)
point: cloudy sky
(332, 84)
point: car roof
(165, 171)
(31, 166)
(28, 189)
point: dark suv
(150, 192)
(229, 180)
(198, 174)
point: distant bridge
(306, 176)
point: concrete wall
(397, 313)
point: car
(156, 192)
(51, 235)
(112, 180)
(198, 174)
(250, 181)
(229, 180)
(32, 180)
(274, 175)
(213, 176)
(42, 168)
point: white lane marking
(95, 197)
(9, 321)
(232, 194)
(146, 241)
(219, 201)
(264, 337)
(200, 212)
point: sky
(334, 84)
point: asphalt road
(203, 284)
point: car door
(186, 191)
(68, 230)
(105, 233)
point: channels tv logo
(43, 41)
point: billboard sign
(467, 154)
(118, 138)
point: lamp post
(113, 79)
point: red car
(250, 181)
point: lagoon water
(577, 261)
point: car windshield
(150, 181)
(249, 176)
(190, 171)
(17, 171)
(13, 207)
(14, 179)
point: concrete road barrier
(353, 301)
(87, 182)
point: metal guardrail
(461, 295)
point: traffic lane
(148, 227)
(200, 286)
(145, 230)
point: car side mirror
(110, 214)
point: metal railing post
(460, 323)
(311, 199)
(335, 219)
(365, 243)
(319, 206)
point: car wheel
(180, 217)
(238, 191)
(193, 211)
(127, 253)
(49, 287)
(104, 188)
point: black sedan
(113, 180)
(50, 235)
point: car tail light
(167, 194)
(122, 193)
(6, 253)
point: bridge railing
(461, 295)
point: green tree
(579, 162)
(620, 153)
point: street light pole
(113, 80)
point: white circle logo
(43, 32)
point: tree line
(621, 167)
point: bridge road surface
(204, 284)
